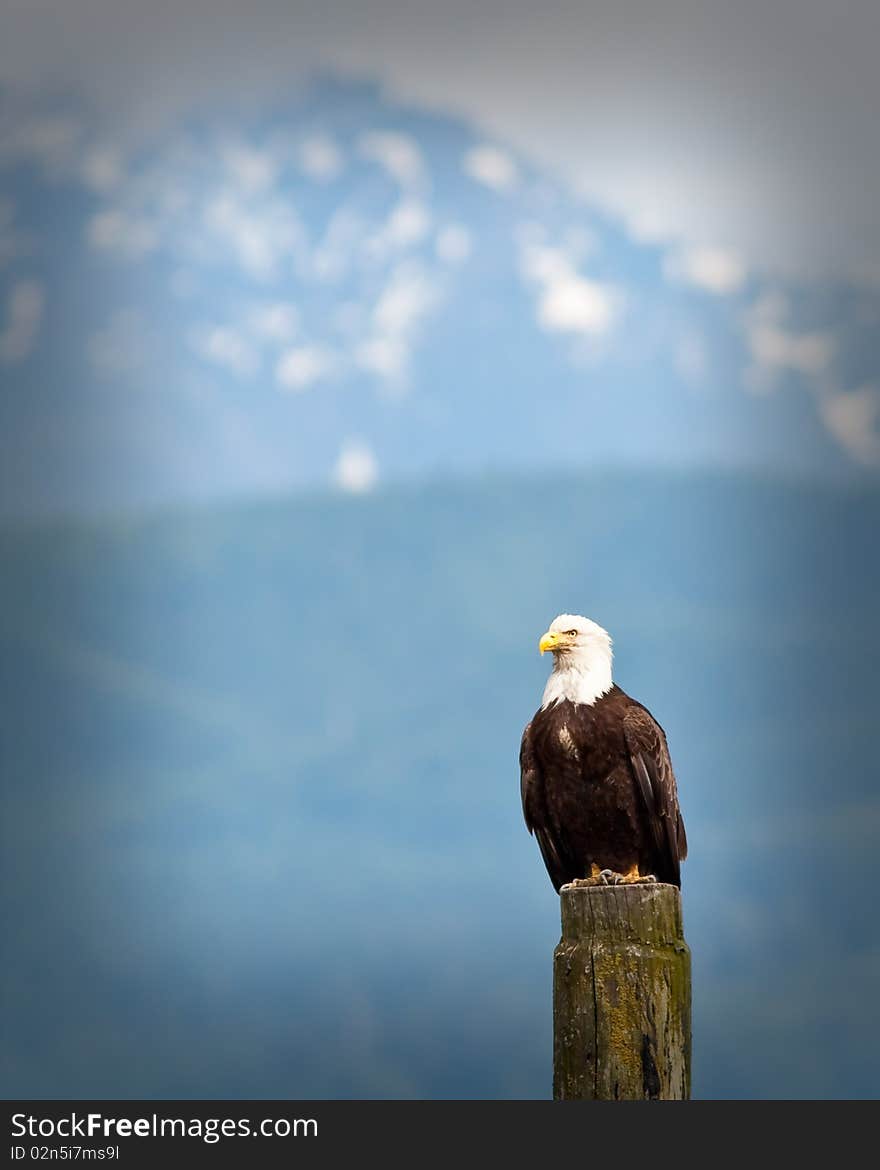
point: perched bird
(598, 790)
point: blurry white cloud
(398, 153)
(356, 469)
(277, 322)
(853, 417)
(226, 347)
(250, 168)
(128, 236)
(716, 270)
(407, 299)
(301, 367)
(261, 235)
(386, 356)
(775, 348)
(321, 158)
(453, 244)
(648, 217)
(102, 169)
(407, 225)
(568, 302)
(24, 312)
(332, 257)
(575, 305)
(492, 167)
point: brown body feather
(598, 789)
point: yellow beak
(549, 641)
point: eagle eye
(572, 633)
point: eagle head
(571, 635)
(582, 659)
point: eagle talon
(648, 879)
(608, 877)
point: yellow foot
(633, 878)
(595, 879)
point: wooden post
(621, 996)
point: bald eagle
(598, 790)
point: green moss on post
(622, 996)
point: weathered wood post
(621, 996)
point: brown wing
(655, 782)
(535, 812)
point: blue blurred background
(338, 354)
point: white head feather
(582, 660)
